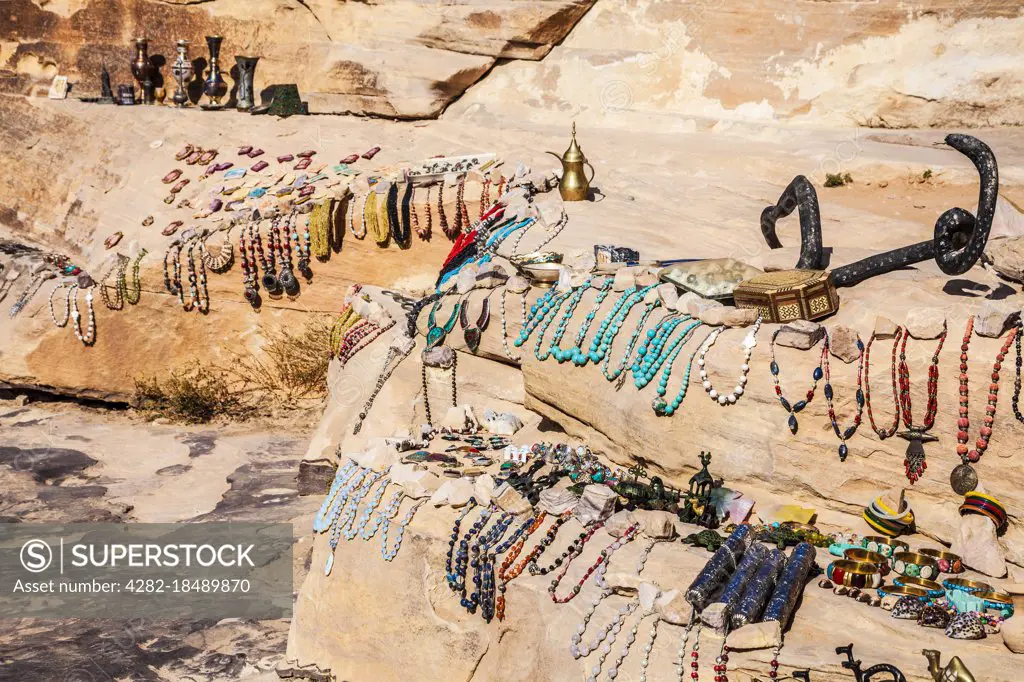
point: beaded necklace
(359, 338)
(749, 342)
(403, 232)
(250, 271)
(843, 434)
(611, 327)
(964, 478)
(891, 430)
(652, 353)
(457, 581)
(200, 297)
(488, 587)
(667, 355)
(575, 352)
(485, 196)
(531, 560)
(504, 324)
(67, 305)
(426, 394)
(442, 219)
(115, 302)
(436, 334)
(284, 257)
(364, 518)
(322, 521)
(395, 355)
(449, 566)
(395, 227)
(88, 337)
(914, 463)
(133, 291)
(270, 282)
(795, 408)
(604, 556)
(509, 570)
(225, 253)
(317, 224)
(573, 301)
(352, 216)
(172, 269)
(390, 554)
(480, 565)
(34, 286)
(665, 408)
(1017, 380)
(344, 520)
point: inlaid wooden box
(789, 295)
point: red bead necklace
(891, 430)
(915, 464)
(605, 555)
(964, 479)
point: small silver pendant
(330, 564)
(964, 479)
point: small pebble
(825, 584)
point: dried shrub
(193, 396)
(291, 365)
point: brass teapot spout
(574, 185)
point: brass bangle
(933, 588)
(968, 508)
(947, 561)
(853, 574)
(864, 556)
(902, 591)
(883, 545)
(965, 585)
(994, 595)
(914, 565)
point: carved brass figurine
(955, 670)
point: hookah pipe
(959, 237)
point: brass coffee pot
(574, 184)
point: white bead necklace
(749, 342)
(504, 325)
(648, 648)
(89, 337)
(67, 305)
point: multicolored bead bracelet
(947, 561)
(883, 545)
(996, 601)
(853, 574)
(914, 565)
(933, 588)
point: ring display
(914, 565)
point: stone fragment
(596, 504)
(975, 541)
(618, 523)
(501, 423)
(889, 601)
(648, 593)
(800, 334)
(1008, 222)
(715, 616)
(995, 318)
(571, 278)
(517, 284)
(674, 608)
(460, 419)
(696, 306)
(580, 259)
(1006, 256)
(843, 343)
(657, 525)
(466, 279)
(766, 635)
(455, 492)
(1013, 634)
(624, 279)
(668, 294)
(885, 328)
(511, 500)
(378, 456)
(417, 483)
(825, 584)
(926, 323)
(624, 581)
(483, 489)
(728, 316)
(647, 277)
(556, 501)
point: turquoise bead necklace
(652, 352)
(342, 522)
(573, 301)
(602, 346)
(667, 408)
(575, 353)
(667, 352)
(538, 311)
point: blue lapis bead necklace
(798, 406)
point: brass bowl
(542, 275)
(536, 258)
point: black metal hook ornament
(958, 241)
